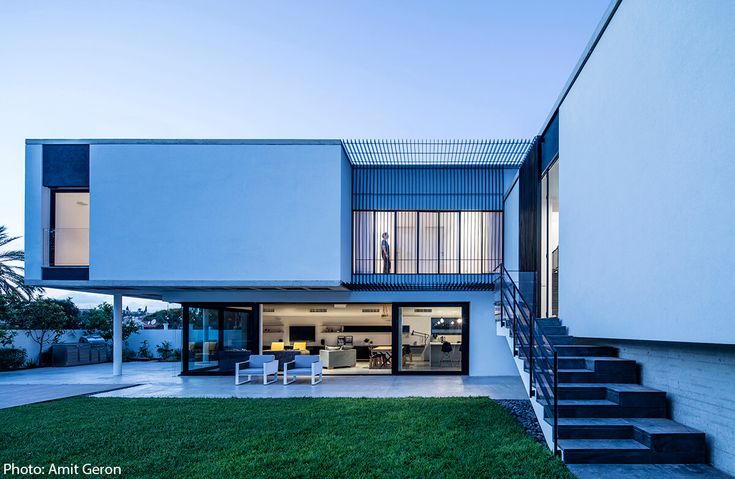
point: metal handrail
(530, 343)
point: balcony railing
(66, 247)
(423, 282)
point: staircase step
(623, 394)
(603, 408)
(621, 371)
(585, 350)
(548, 322)
(559, 339)
(557, 330)
(605, 416)
(668, 441)
(604, 451)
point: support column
(117, 340)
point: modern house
(602, 247)
(392, 247)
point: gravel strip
(522, 411)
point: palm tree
(11, 273)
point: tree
(72, 312)
(43, 320)
(8, 308)
(6, 336)
(98, 321)
(11, 270)
(171, 316)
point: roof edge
(599, 31)
(180, 141)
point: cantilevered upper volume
(493, 153)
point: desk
(436, 354)
(383, 355)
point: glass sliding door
(362, 237)
(384, 242)
(449, 242)
(428, 242)
(549, 287)
(406, 242)
(203, 341)
(431, 339)
(218, 336)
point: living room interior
(358, 338)
(349, 338)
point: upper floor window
(427, 242)
(68, 236)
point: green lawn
(277, 438)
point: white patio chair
(303, 365)
(257, 365)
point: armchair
(257, 365)
(303, 365)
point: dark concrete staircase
(606, 416)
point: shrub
(165, 350)
(12, 358)
(143, 351)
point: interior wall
(320, 321)
(646, 145)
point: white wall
(646, 177)
(216, 212)
(153, 336)
(34, 209)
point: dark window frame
(52, 224)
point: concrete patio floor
(156, 379)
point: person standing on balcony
(385, 253)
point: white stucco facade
(647, 224)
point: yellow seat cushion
(277, 346)
(300, 346)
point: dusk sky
(317, 69)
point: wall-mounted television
(302, 333)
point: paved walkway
(156, 379)
(646, 471)
(12, 395)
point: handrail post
(502, 301)
(530, 358)
(515, 315)
(556, 405)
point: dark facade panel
(427, 188)
(550, 144)
(65, 273)
(66, 166)
(529, 206)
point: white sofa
(341, 358)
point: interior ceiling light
(340, 306)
